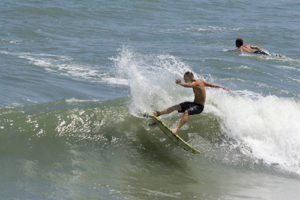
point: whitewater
(77, 77)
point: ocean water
(76, 77)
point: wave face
(239, 130)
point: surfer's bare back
(190, 108)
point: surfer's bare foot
(156, 113)
(174, 130)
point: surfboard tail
(153, 123)
(147, 115)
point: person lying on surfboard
(239, 43)
(190, 108)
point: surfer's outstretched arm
(178, 81)
(215, 85)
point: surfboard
(174, 136)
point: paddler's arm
(255, 47)
(215, 85)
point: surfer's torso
(199, 91)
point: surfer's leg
(182, 122)
(167, 110)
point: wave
(266, 125)
(149, 78)
(66, 66)
(202, 29)
(213, 29)
(238, 128)
(242, 129)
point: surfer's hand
(224, 88)
(178, 81)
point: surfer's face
(187, 79)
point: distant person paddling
(239, 43)
(190, 108)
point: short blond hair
(189, 73)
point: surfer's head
(188, 76)
(239, 42)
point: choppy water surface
(76, 76)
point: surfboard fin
(152, 124)
(148, 116)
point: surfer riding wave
(190, 108)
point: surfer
(190, 108)
(239, 43)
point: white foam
(74, 100)
(212, 28)
(283, 59)
(11, 41)
(115, 81)
(151, 79)
(58, 64)
(268, 125)
(65, 66)
(201, 29)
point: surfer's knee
(177, 107)
(186, 113)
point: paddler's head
(239, 42)
(188, 77)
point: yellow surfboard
(174, 136)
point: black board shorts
(191, 107)
(261, 52)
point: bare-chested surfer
(239, 43)
(190, 108)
